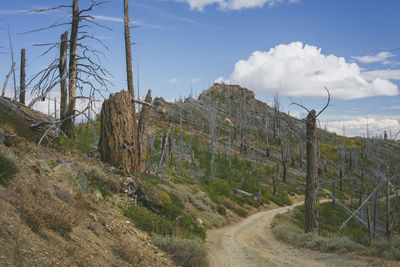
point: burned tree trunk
(311, 207)
(142, 134)
(118, 139)
(68, 125)
(22, 78)
(128, 51)
(63, 75)
(33, 124)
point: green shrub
(8, 168)
(84, 138)
(221, 210)
(281, 199)
(387, 249)
(149, 221)
(216, 188)
(185, 252)
(294, 236)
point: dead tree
(6, 80)
(212, 138)
(311, 201)
(118, 143)
(68, 125)
(283, 142)
(22, 78)
(274, 180)
(85, 70)
(142, 133)
(389, 214)
(128, 51)
(63, 73)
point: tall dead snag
(142, 134)
(22, 78)
(128, 51)
(389, 214)
(283, 143)
(118, 142)
(68, 125)
(311, 205)
(311, 201)
(63, 74)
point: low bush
(295, 236)
(387, 249)
(98, 178)
(8, 168)
(185, 252)
(281, 199)
(149, 221)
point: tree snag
(68, 125)
(22, 78)
(118, 136)
(311, 205)
(142, 134)
(63, 74)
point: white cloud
(172, 80)
(233, 4)
(381, 57)
(302, 71)
(384, 74)
(358, 126)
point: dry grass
(129, 251)
(293, 235)
(185, 252)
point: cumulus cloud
(302, 70)
(358, 126)
(384, 74)
(233, 4)
(381, 57)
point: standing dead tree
(311, 201)
(22, 78)
(85, 69)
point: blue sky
(291, 47)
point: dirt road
(252, 243)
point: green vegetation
(330, 219)
(8, 168)
(85, 134)
(294, 235)
(185, 252)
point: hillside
(63, 206)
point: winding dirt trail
(251, 242)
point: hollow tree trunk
(22, 78)
(118, 138)
(311, 207)
(62, 67)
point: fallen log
(26, 121)
(256, 197)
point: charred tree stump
(118, 132)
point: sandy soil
(251, 242)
